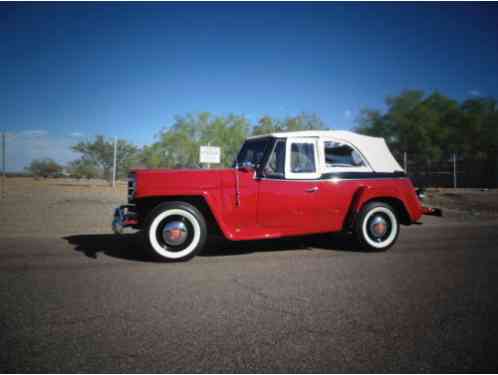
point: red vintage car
(282, 184)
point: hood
(155, 182)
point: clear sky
(73, 70)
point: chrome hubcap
(378, 227)
(175, 233)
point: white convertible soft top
(373, 149)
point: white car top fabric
(373, 149)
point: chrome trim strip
(332, 179)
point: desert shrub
(83, 169)
(45, 168)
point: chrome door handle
(314, 189)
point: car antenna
(237, 187)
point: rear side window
(303, 158)
(342, 155)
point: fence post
(405, 162)
(454, 171)
(3, 164)
(114, 162)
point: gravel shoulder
(465, 204)
(55, 207)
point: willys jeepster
(282, 184)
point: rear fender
(365, 194)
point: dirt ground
(465, 204)
(49, 207)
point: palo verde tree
(178, 146)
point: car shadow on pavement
(219, 246)
(126, 246)
(129, 247)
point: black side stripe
(362, 175)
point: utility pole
(3, 165)
(114, 162)
(405, 162)
(454, 171)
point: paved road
(89, 303)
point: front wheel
(175, 231)
(377, 226)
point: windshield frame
(268, 147)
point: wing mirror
(247, 166)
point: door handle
(314, 189)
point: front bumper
(123, 218)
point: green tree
(433, 127)
(372, 122)
(227, 132)
(267, 125)
(303, 121)
(82, 168)
(44, 168)
(178, 146)
(101, 153)
(413, 123)
(404, 121)
(479, 127)
(152, 156)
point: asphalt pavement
(93, 303)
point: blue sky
(74, 70)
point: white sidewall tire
(394, 228)
(160, 250)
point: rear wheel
(377, 226)
(175, 231)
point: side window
(303, 158)
(276, 163)
(342, 155)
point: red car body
(284, 184)
(277, 208)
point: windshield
(253, 151)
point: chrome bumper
(123, 218)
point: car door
(288, 196)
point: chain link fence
(451, 172)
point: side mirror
(247, 166)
